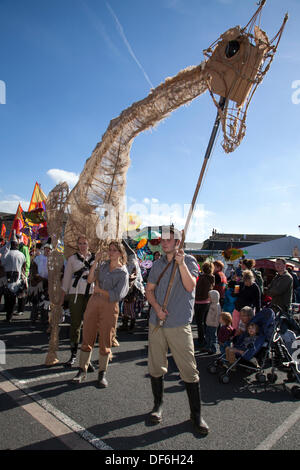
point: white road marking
(274, 437)
(40, 378)
(52, 424)
(11, 384)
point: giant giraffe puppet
(234, 66)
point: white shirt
(41, 262)
(13, 260)
(74, 264)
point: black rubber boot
(34, 313)
(91, 368)
(157, 385)
(102, 382)
(124, 326)
(72, 359)
(132, 324)
(79, 377)
(44, 317)
(193, 391)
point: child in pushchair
(275, 345)
(249, 343)
(249, 348)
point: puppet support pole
(192, 207)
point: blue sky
(70, 66)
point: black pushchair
(273, 348)
(285, 348)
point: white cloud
(10, 204)
(14, 197)
(62, 175)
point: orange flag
(38, 198)
(3, 230)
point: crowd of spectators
(225, 305)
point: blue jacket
(229, 301)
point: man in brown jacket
(281, 287)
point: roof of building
(221, 241)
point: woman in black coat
(249, 295)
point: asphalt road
(41, 409)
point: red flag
(3, 230)
(18, 221)
(18, 224)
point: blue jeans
(211, 338)
(224, 346)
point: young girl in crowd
(226, 332)
(212, 321)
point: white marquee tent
(285, 246)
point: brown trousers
(101, 317)
(180, 342)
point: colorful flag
(18, 225)
(38, 199)
(18, 222)
(3, 230)
(36, 216)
